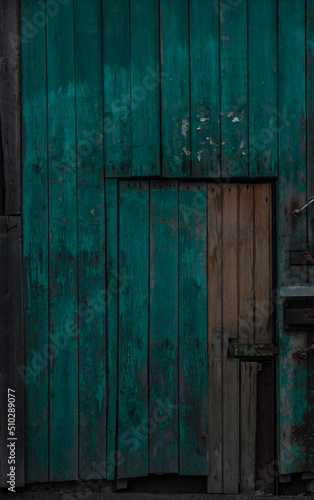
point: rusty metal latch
(300, 355)
(299, 211)
(251, 352)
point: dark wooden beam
(11, 300)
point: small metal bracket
(251, 352)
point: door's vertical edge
(310, 192)
(215, 345)
(193, 370)
(292, 388)
(264, 332)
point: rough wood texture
(230, 299)
(205, 104)
(233, 235)
(215, 335)
(35, 253)
(262, 88)
(12, 346)
(145, 92)
(117, 92)
(248, 427)
(11, 271)
(113, 281)
(175, 88)
(246, 263)
(10, 102)
(292, 379)
(63, 295)
(263, 269)
(133, 423)
(91, 237)
(193, 360)
(163, 341)
(233, 85)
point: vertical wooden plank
(233, 78)
(292, 378)
(111, 298)
(214, 283)
(35, 251)
(91, 236)
(163, 342)
(145, 91)
(205, 109)
(248, 426)
(133, 329)
(262, 70)
(230, 367)
(193, 386)
(63, 246)
(262, 264)
(245, 263)
(248, 371)
(310, 192)
(117, 92)
(175, 91)
(12, 439)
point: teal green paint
(233, 85)
(62, 245)
(262, 63)
(292, 378)
(163, 376)
(205, 110)
(193, 388)
(117, 92)
(35, 251)
(91, 236)
(133, 327)
(145, 91)
(175, 89)
(112, 320)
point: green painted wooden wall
(181, 89)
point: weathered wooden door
(195, 263)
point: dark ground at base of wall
(136, 496)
